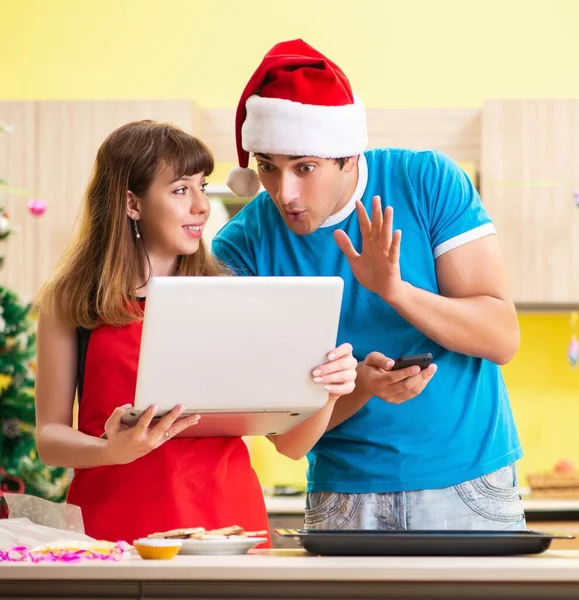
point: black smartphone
(421, 360)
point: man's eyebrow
(268, 157)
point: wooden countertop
(272, 565)
(285, 573)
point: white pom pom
(244, 183)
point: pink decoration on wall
(37, 207)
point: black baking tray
(421, 543)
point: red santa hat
(297, 103)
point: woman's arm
(58, 443)
(297, 442)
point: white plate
(232, 545)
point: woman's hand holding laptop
(126, 444)
(338, 375)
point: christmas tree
(21, 471)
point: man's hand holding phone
(395, 381)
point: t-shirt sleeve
(231, 248)
(455, 211)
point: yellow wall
(544, 391)
(397, 53)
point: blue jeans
(490, 502)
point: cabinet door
(285, 522)
(529, 179)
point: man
(407, 449)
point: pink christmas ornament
(37, 207)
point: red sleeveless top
(186, 482)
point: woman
(143, 216)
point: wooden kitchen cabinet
(564, 527)
(289, 521)
(530, 185)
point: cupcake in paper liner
(157, 548)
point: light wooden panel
(455, 132)
(573, 203)
(529, 166)
(56, 144)
(217, 129)
(18, 167)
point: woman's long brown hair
(96, 279)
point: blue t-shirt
(461, 426)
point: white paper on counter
(34, 521)
(57, 515)
(23, 532)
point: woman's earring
(137, 234)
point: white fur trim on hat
(244, 183)
(275, 126)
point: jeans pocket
(330, 510)
(495, 496)
(503, 481)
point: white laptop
(239, 351)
